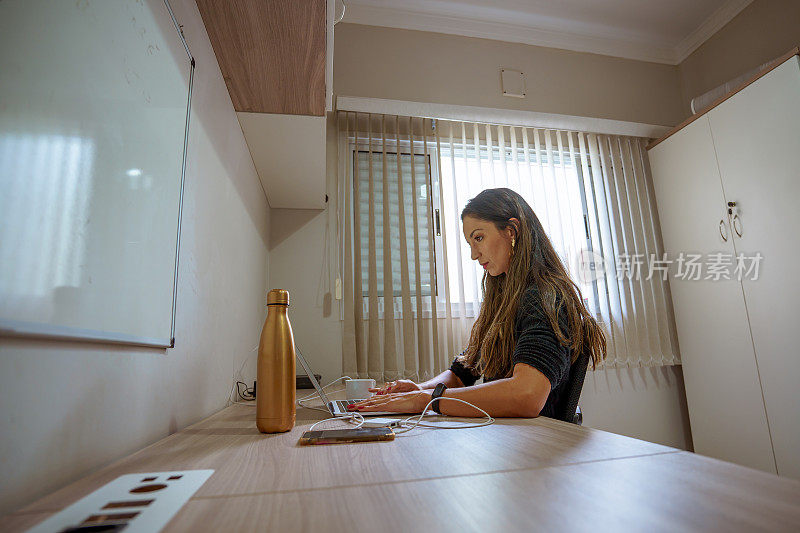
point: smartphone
(342, 436)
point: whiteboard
(94, 112)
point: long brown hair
(533, 261)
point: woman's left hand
(401, 402)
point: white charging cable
(405, 424)
(418, 422)
(355, 416)
(316, 394)
(301, 400)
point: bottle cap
(278, 297)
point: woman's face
(490, 247)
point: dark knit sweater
(536, 346)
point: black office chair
(567, 407)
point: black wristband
(438, 392)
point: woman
(532, 324)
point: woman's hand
(402, 402)
(401, 385)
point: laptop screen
(314, 382)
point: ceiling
(662, 31)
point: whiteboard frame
(17, 328)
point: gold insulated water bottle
(275, 396)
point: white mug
(358, 389)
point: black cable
(248, 395)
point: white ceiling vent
(512, 83)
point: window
(419, 192)
(561, 209)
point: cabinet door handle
(721, 228)
(736, 220)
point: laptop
(335, 407)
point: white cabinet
(719, 368)
(740, 359)
(757, 139)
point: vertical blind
(411, 290)
(366, 158)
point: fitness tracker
(438, 392)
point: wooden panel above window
(271, 53)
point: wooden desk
(515, 475)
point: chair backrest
(568, 402)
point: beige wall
(69, 408)
(433, 67)
(303, 257)
(297, 264)
(763, 31)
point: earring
(513, 241)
